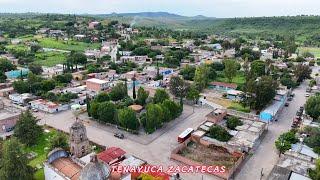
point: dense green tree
(313, 107)
(219, 133)
(160, 96)
(14, 162)
(63, 78)
(154, 117)
(302, 72)
(119, 92)
(59, 140)
(142, 96)
(35, 48)
(258, 68)
(312, 140)
(193, 94)
(102, 97)
(188, 72)
(233, 122)
(94, 109)
(27, 130)
(35, 68)
(127, 119)
(47, 85)
(283, 143)
(174, 109)
(217, 66)
(178, 87)
(3, 77)
(107, 112)
(288, 81)
(201, 77)
(21, 86)
(230, 70)
(6, 65)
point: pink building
(97, 84)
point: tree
(178, 87)
(107, 112)
(154, 117)
(233, 122)
(301, 72)
(174, 109)
(188, 72)
(35, 68)
(102, 97)
(35, 48)
(78, 58)
(27, 130)
(14, 162)
(258, 68)
(314, 174)
(59, 140)
(160, 96)
(283, 143)
(63, 78)
(119, 92)
(3, 77)
(142, 96)
(313, 107)
(6, 65)
(219, 133)
(193, 94)
(48, 85)
(127, 119)
(201, 77)
(134, 96)
(230, 70)
(21, 87)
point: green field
(239, 79)
(67, 45)
(314, 50)
(41, 148)
(50, 58)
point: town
(84, 96)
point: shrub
(219, 133)
(233, 122)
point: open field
(239, 79)
(67, 45)
(50, 58)
(314, 50)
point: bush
(233, 122)
(219, 133)
(127, 119)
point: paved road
(156, 153)
(266, 156)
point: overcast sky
(213, 8)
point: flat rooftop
(9, 112)
(67, 167)
(98, 81)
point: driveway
(266, 156)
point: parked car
(307, 95)
(299, 113)
(290, 99)
(286, 104)
(35, 110)
(292, 95)
(119, 135)
(301, 108)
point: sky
(210, 8)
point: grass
(40, 149)
(50, 58)
(239, 107)
(67, 45)
(314, 50)
(239, 79)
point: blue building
(17, 73)
(272, 111)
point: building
(111, 155)
(79, 142)
(60, 166)
(94, 24)
(97, 85)
(222, 86)
(8, 119)
(14, 74)
(21, 98)
(48, 106)
(234, 94)
(271, 112)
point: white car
(307, 95)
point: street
(266, 156)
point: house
(49, 72)
(222, 86)
(97, 84)
(216, 116)
(8, 119)
(48, 106)
(56, 33)
(234, 94)
(136, 59)
(14, 74)
(79, 36)
(271, 112)
(94, 24)
(10, 58)
(111, 155)
(21, 98)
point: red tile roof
(67, 168)
(229, 85)
(111, 154)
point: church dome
(95, 170)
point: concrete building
(8, 119)
(48, 106)
(21, 98)
(97, 85)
